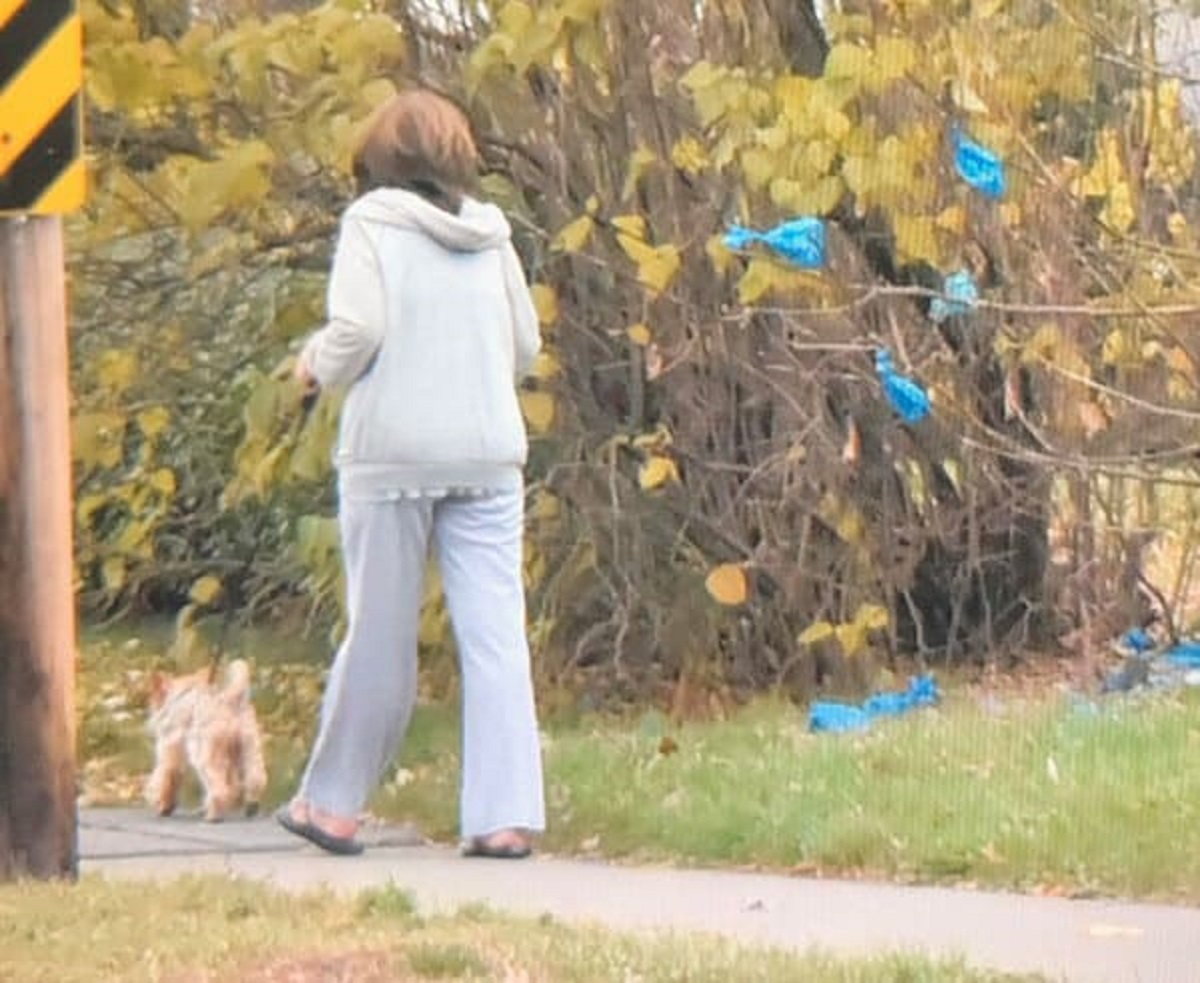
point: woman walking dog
(430, 327)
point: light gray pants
(373, 683)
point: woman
(431, 327)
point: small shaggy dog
(211, 726)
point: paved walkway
(1071, 940)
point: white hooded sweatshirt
(431, 326)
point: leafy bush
(719, 489)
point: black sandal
(480, 847)
(342, 846)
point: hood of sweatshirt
(477, 226)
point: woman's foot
(333, 834)
(504, 844)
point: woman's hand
(303, 375)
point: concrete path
(1070, 940)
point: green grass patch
(1027, 795)
(1041, 797)
(197, 930)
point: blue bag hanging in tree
(961, 295)
(978, 166)
(907, 398)
(800, 241)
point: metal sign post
(41, 176)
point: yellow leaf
(538, 409)
(953, 219)
(689, 155)
(916, 238)
(515, 17)
(163, 480)
(727, 584)
(656, 265)
(87, 507)
(718, 253)
(573, 236)
(545, 366)
(761, 277)
(116, 369)
(808, 199)
(852, 638)
(758, 166)
(818, 631)
(656, 472)
(639, 334)
(633, 226)
(640, 162)
(1119, 348)
(205, 590)
(545, 302)
(1107, 170)
(872, 617)
(97, 438)
(1118, 212)
(847, 61)
(376, 92)
(894, 58)
(112, 572)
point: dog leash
(308, 402)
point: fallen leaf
(727, 584)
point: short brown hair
(421, 141)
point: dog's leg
(213, 759)
(162, 788)
(253, 765)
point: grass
(201, 930)
(1033, 795)
(1045, 797)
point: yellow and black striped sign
(41, 77)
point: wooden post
(37, 615)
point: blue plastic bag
(800, 241)
(837, 718)
(1137, 640)
(978, 166)
(1185, 655)
(921, 691)
(961, 295)
(906, 397)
